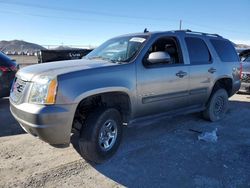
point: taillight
(4, 69)
(8, 69)
(240, 70)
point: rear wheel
(217, 106)
(101, 135)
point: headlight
(43, 90)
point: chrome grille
(245, 77)
(17, 89)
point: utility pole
(180, 24)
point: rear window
(198, 51)
(5, 60)
(225, 50)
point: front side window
(121, 49)
(198, 51)
(165, 44)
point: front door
(162, 87)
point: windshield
(121, 49)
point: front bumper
(245, 87)
(51, 124)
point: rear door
(202, 70)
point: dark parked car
(245, 76)
(8, 69)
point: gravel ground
(163, 153)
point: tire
(101, 136)
(217, 106)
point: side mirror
(159, 57)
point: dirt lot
(164, 153)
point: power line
(74, 18)
(84, 11)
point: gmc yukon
(127, 79)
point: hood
(59, 67)
(246, 67)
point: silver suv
(245, 76)
(127, 79)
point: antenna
(145, 30)
(180, 25)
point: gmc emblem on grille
(19, 88)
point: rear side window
(198, 51)
(225, 50)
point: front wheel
(101, 135)
(217, 106)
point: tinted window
(198, 51)
(225, 50)
(5, 60)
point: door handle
(181, 74)
(212, 70)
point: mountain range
(19, 46)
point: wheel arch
(222, 82)
(108, 98)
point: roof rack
(199, 33)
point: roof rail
(199, 33)
(185, 30)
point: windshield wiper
(96, 57)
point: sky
(81, 22)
